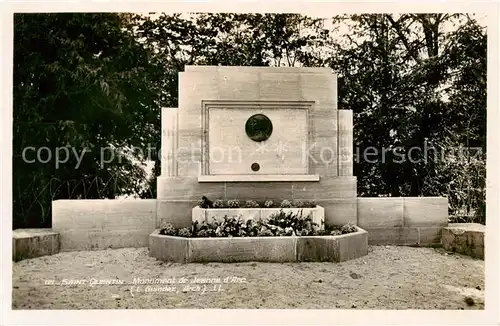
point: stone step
(31, 243)
(464, 238)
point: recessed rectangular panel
(232, 151)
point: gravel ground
(387, 278)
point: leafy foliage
(235, 203)
(251, 204)
(420, 80)
(80, 80)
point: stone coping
(263, 249)
(29, 233)
(259, 178)
(473, 227)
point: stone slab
(425, 211)
(231, 151)
(32, 243)
(270, 249)
(464, 238)
(328, 188)
(317, 249)
(339, 211)
(404, 236)
(176, 212)
(259, 190)
(429, 235)
(255, 84)
(188, 188)
(276, 249)
(380, 212)
(168, 248)
(319, 87)
(398, 236)
(346, 142)
(352, 245)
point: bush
(286, 204)
(184, 232)
(199, 202)
(310, 203)
(298, 204)
(167, 229)
(251, 204)
(269, 204)
(348, 228)
(219, 203)
(234, 203)
(278, 224)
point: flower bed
(284, 234)
(329, 248)
(278, 223)
(236, 203)
(243, 211)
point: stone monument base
(178, 195)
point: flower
(185, 232)
(219, 203)
(251, 204)
(234, 203)
(167, 229)
(269, 203)
(286, 204)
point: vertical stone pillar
(169, 142)
(345, 141)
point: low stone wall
(101, 224)
(464, 238)
(32, 243)
(119, 223)
(403, 220)
(264, 249)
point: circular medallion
(255, 167)
(258, 127)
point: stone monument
(246, 133)
(256, 133)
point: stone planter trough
(206, 214)
(263, 249)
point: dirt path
(387, 278)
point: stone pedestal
(464, 238)
(32, 243)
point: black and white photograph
(195, 159)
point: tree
(412, 83)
